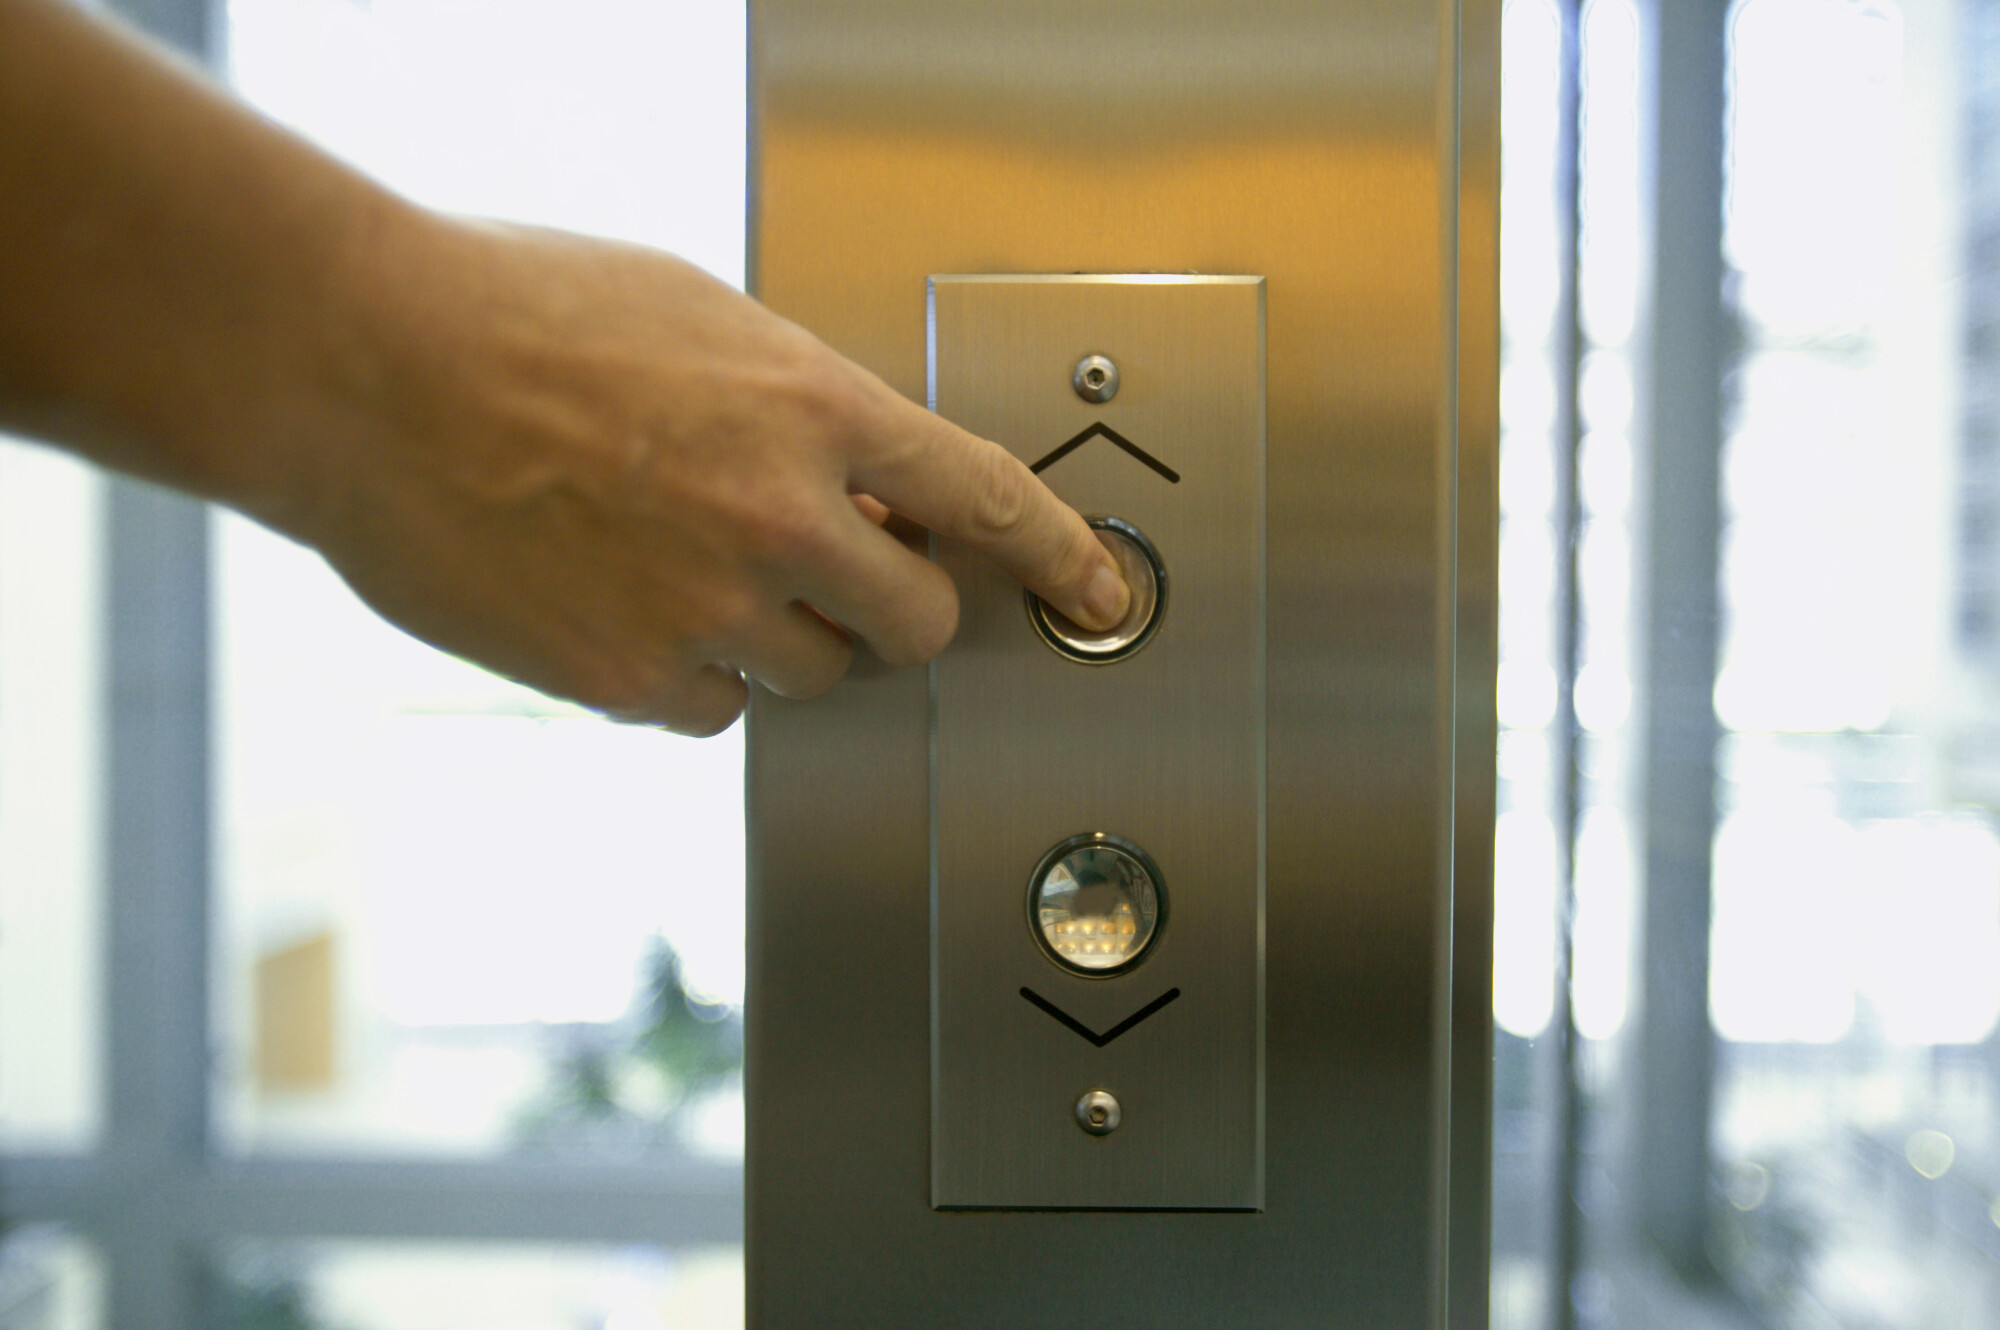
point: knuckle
(822, 394)
(999, 505)
(628, 690)
(840, 399)
(899, 654)
(1081, 557)
(785, 532)
(706, 721)
(727, 615)
(824, 673)
(651, 695)
(839, 659)
(924, 638)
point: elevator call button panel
(1097, 891)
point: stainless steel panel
(1164, 748)
(1315, 144)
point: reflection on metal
(1317, 146)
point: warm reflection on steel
(1317, 146)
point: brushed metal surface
(1315, 144)
(1164, 748)
(1476, 527)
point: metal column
(1320, 148)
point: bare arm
(586, 465)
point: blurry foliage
(695, 1043)
(280, 1308)
(263, 1299)
(625, 1086)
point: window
(51, 512)
(1765, 1093)
(421, 991)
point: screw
(1098, 1113)
(1095, 379)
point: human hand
(596, 469)
(585, 465)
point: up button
(1140, 565)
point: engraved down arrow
(1100, 1039)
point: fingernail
(1107, 597)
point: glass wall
(1855, 955)
(1852, 964)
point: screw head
(1095, 379)
(1097, 1112)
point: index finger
(973, 490)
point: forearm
(184, 289)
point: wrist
(338, 406)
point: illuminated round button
(1140, 564)
(1096, 904)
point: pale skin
(588, 466)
